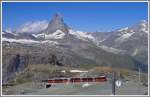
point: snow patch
(123, 29)
(112, 50)
(20, 40)
(50, 42)
(38, 35)
(81, 35)
(28, 41)
(56, 35)
(10, 32)
(124, 37)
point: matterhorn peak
(58, 16)
(57, 23)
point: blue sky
(84, 16)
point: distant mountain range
(60, 45)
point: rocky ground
(130, 85)
(105, 88)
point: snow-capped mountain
(56, 30)
(140, 29)
(130, 40)
(133, 40)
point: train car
(77, 80)
(100, 79)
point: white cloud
(9, 30)
(33, 27)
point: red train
(76, 80)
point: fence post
(113, 83)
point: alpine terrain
(28, 56)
